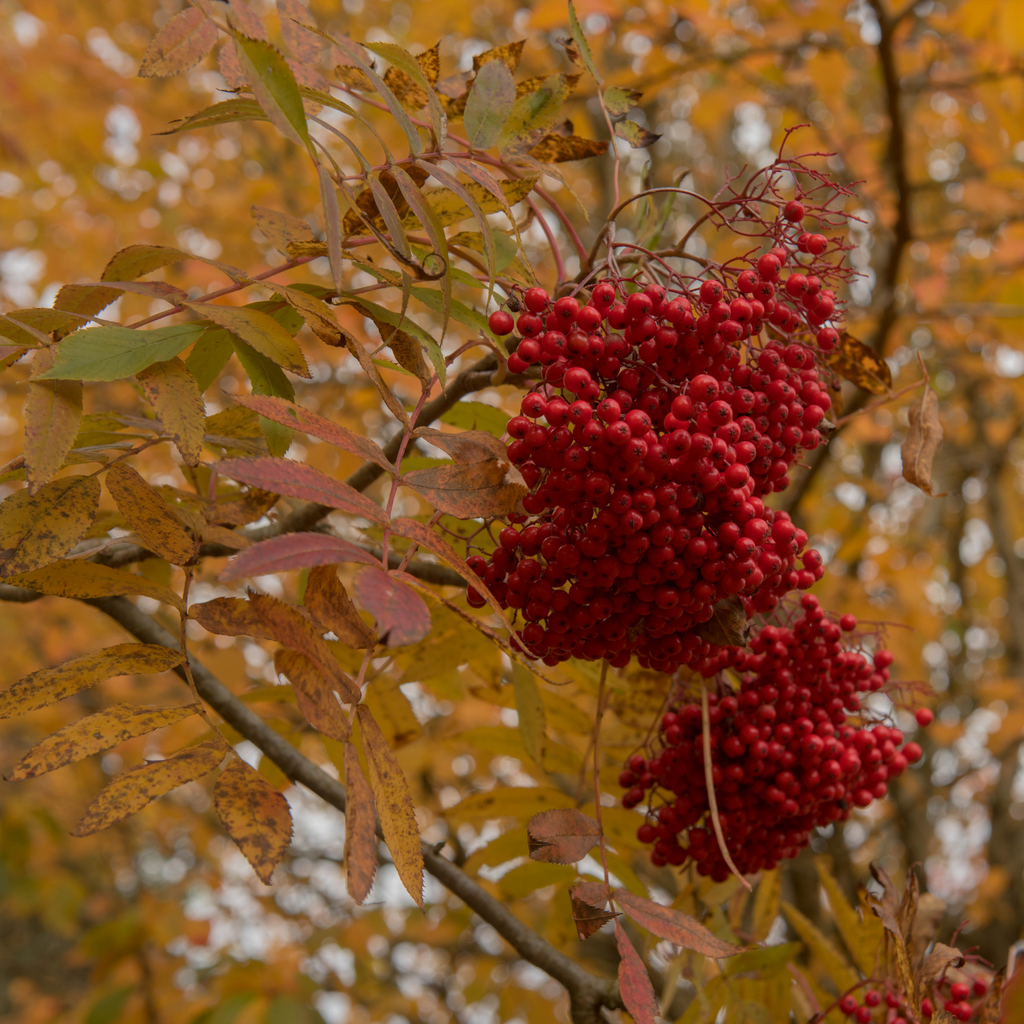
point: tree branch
(587, 993)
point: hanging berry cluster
(660, 424)
(786, 753)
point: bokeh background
(918, 109)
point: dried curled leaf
(588, 918)
(922, 442)
(255, 815)
(727, 625)
(562, 835)
(860, 365)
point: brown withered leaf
(222, 535)
(561, 835)
(178, 403)
(360, 829)
(510, 54)
(489, 489)
(410, 94)
(314, 695)
(931, 910)
(922, 442)
(430, 63)
(860, 365)
(560, 148)
(394, 805)
(255, 815)
(407, 350)
(230, 616)
(249, 506)
(319, 317)
(36, 530)
(181, 44)
(942, 1016)
(352, 223)
(727, 626)
(132, 789)
(328, 602)
(289, 626)
(94, 733)
(49, 685)
(992, 1008)
(594, 894)
(280, 229)
(885, 908)
(466, 446)
(906, 913)
(158, 525)
(935, 963)
(53, 411)
(402, 617)
(588, 919)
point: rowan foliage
(490, 505)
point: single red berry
(500, 322)
(517, 364)
(959, 991)
(816, 244)
(848, 1005)
(924, 717)
(872, 998)
(926, 1007)
(912, 752)
(980, 988)
(747, 282)
(848, 623)
(711, 291)
(794, 211)
(536, 299)
(768, 267)
(827, 338)
(567, 309)
(603, 295)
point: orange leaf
(132, 789)
(149, 515)
(487, 489)
(360, 829)
(181, 44)
(562, 835)
(328, 602)
(402, 617)
(53, 410)
(36, 530)
(394, 805)
(230, 616)
(860, 365)
(316, 700)
(94, 733)
(49, 685)
(178, 403)
(634, 981)
(68, 578)
(255, 815)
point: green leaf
(635, 135)
(535, 110)
(380, 314)
(113, 353)
(489, 104)
(400, 58)
(530, 705)
(476, 416)
(108, 1008)
(274, 87)
(258, 329)
(619, 101)
(266, 378)
(209, 356)
(505, 248)
(581, 41)
(460, 312)
(332, 223)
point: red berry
(959, 991)
(768, 267)
(912, 752)
(816, 244)
(500, 322)
(711, 291)
(536, 299)
(603, 295)
(848, 623)
(924, 717)
(794, 211)
(848, 1005)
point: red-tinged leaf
(152, 289)
(132, 789)
(49, 685)
(588, 919)
(94, 733)
(594, 894)
(53, 411)
(159, 526)
(255, 815)
(297, 480)
(328, 602)
(394, 805)
(246, 20)
(484, 489)
(313, 694)
(426, 537)
(296, 21)
(402, 617)
(181, 44)
(673, 925)
(73, 578)
(634, 982)
(293, 551)
(290, 627)
(177, 400)
(230, 68)
(230, 616)
(258, 329)
(562, 835)
(295, 416)
(360, 829)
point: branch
(587, 993)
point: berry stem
(709, 781)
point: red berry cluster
(648, 471)
(784, 757)
(959, 1004)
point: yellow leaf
(767, 901)
(521, 803)
(94, 733)
(38, 529)
(822, 949)
(49, 685)
(394, 805)
(860, 365)
(390, 708)
(255, 815)
(533, 875)
(258, 329)
(450, 209)
(132, 789)
(149, 515)
(530, 707)
(314, 695)
(67, 578)
(281, 228)
(53, 411)
(862, 934)
(178, 403)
